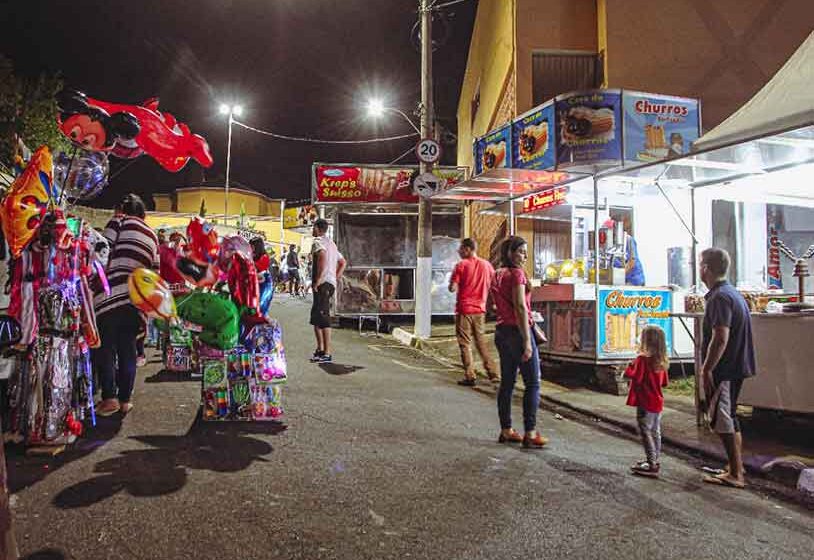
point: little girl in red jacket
(647, 375)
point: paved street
(384, 456)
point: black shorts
(321, 308)
(294, 274)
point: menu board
(659, 126)
(533, 139)
(493, 150)
(589, 128)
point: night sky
(298, 67)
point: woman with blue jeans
(515, 338)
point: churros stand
(582, 239)
(749, 188)
(373, 212)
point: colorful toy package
(178, 358)
(266, 400)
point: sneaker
(317, 356)
(325, 359)
(141, 361)
(646, 469)
(467, 382)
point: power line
(320, 141)
(402, 156)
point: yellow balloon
(150, 294)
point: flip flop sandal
(713, 471)
(723, 481)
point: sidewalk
(778, 449)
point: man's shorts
(321, 308)
(723, 407)
(294, 274)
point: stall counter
(570, 313)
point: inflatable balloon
(87, 176)
(202, 241)
(201, 275)
(150, 294)
(91, 127)
(26, 202)
(215, 314)
(161, 137)
(230, 246)
(242, 279)
(266, 294)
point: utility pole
(423, 292)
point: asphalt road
(382, 456)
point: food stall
(604, 264)
(747, 188)
(373, 212)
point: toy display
(51, 389)
(225, 334)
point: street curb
(802, 486)
(406, 338)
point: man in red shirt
(471, 280)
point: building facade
(524, 52)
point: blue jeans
(115, 359)
(509, 344)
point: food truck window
(377, 239)
(552, 242)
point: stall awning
(786, 102)
(500, 185)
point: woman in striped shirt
(132, 245)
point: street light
(376, 109)
(230, 110)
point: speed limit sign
(428, 150)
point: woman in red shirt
(515, 338)
(648, 374)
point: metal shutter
(559, 72)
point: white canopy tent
(786, 102)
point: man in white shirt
(328, 265)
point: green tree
(28, 110)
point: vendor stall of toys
(55, 268)
(220, 330)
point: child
(648, 374)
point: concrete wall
(552, 25)
(722, 52)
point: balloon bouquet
(55, 268)
(238, 347)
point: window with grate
(556, 72)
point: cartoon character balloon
(150, 294)
(202, 241)
(159, 135)
(231, 245)
(27, 201)
(90, 127)
(83, 178)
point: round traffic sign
(428, 150)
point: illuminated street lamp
(232, 111)
(376, 109)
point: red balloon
(202, 241)
(167, 141)
(243, 284)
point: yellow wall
(490, 61)
(188, 200)
(271, 228)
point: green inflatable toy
(216, 315)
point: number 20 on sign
(428, 150)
